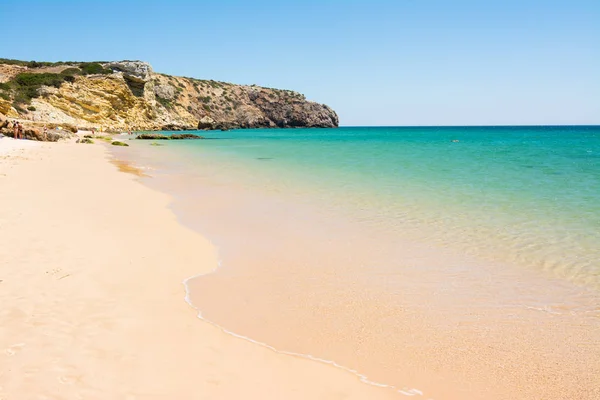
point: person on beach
(20, 130)
(15, 130)
(45, 133)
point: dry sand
(92, 301)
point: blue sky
(377, 62)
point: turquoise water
(419, 257)
(529, 195)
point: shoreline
(363, 378)
(90, 289)
(219, 314)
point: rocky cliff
(129, 95)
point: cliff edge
(129, 95)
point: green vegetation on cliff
(129, 95)
(25, 86)
(42, 64)
(31, 64)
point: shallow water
(459, 261)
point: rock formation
(129, 95)
(158, 136)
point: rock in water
(179, 136)
(158, 136)
(152, 136)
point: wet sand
(93, 305)
(436, 320)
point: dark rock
(175, 127)
(152, 136)
(117, 143)
(179, 136)
(53, 137)
(205, 124)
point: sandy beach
(93, 306)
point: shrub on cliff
(26, 85)
(71, 71)
(31, 64)
(94, 68)
(27, 79)
(166, 103)
(4, 91)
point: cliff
(129, 95)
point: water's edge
(363, 378)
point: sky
(376, 62)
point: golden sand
(92, 301)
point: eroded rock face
(136, 98)
(5, 107)
(299, 114)
(206, 123)
(177, 136)
(133, 69)
(165, 91)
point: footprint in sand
(14, 349)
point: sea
(439, 262)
